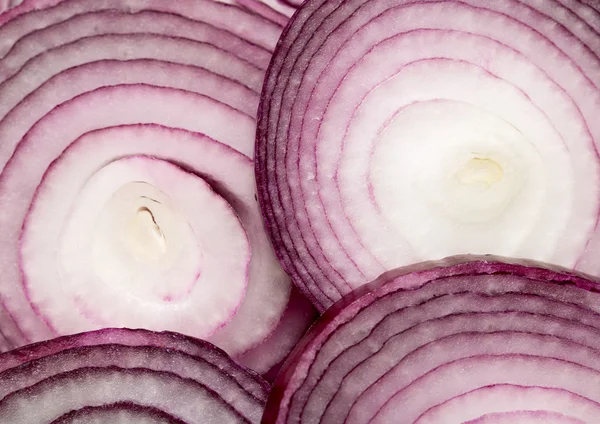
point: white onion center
(150, 242)
(469, 174)
(145, 237)
(139, 233)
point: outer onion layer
(97, 376)
(466, 339)
(395, 131)
(127, 193)
(36, 14)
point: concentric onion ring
(395, 131)
(466, 339)
(117, 412)
(127, 141)
(184, 380)
(32, 15)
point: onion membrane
(467, 339)
(96, 377)
(395, 131)
(127, 192)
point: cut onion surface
(468, 339)
(32, 15)
(113, 22)
(96, 377)
(268, 357)
(127, 193)
(150, 247)
(395, 131)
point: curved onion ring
(184, 380)
(466, 339)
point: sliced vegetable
(95, 377)
(395, 131)
(72, 192)
(127, 194)
(467, 339)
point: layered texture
(464, 340)
(395, 131)
(127, 192)
(127, 376)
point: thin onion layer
(466, 339)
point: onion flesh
(101, 373)
(385, 124)
(126, 204)
(459, 340)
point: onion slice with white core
(98, 374)
(78, 67)
(386, 124)
(53, 218)
(465, 339)
(37, 14)
(128, 244)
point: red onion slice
(123, 47)
(146, 246)
(4, 343)
(106, 365)
(229, 172)
(81, 62)
(360, 93)
(262, 8)
(7, 4)
(449, 341)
